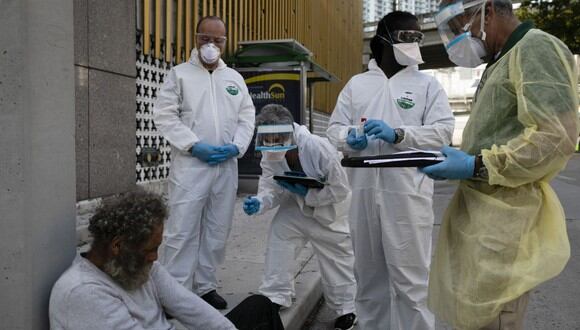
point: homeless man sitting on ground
(119, 285)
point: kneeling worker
(318, 215)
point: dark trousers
(256, 313)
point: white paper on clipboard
(399, 157)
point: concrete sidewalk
(241, 273)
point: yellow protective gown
(502, 237)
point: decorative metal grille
(153, 151)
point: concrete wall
(104, 57)
(37, 167)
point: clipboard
(399, 159)
(303, 180)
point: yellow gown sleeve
(544, 77)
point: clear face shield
(454, 23)
(275, 138)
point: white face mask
(407, 53)
(209, 53)
(274, 156)
(467, 51)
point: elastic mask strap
(385, 39)
(468, 25)
(388, 32)
(483, 35)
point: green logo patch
(233, 90)
(406, 101)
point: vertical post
(188, 29)
(158, 29)
(37, 174)
(146, 26)
(303, 91)
(179, 32)
(238, 15)
(168, 26)
(310, 107)
(196, 18)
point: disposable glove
(229, 150)
(251, 205)
(380, 129)
(216, 159)
(207, 153)
(457, 166)
(294, 188)
(357, 143)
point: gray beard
(129, 270)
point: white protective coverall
(391, 212)
(85, 297)
(320, 217)
(193, 106)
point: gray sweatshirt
(86, 298)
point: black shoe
(345, 322)
(215, 300)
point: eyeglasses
(206, 38)
(408, 36)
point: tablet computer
(303, 180)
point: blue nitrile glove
(216, 159)
(207, 153)
(457, 166)
(380, 129)
(357, 143)
(229, 150)
(296, 188)
(251, 205)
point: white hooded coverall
(320, 217)
(193, 106)
(391, 212)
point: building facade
(374, 10)
(123, 49)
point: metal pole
(303, 91)
(311, 107)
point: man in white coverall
(205, 111)
(391, 214)
(318, 215)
